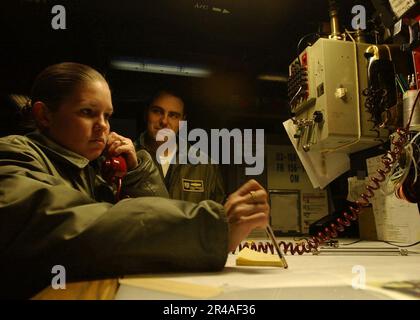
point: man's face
(165, 112)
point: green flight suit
(189, 182)
(50, 215)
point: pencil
(276, 245)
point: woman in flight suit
(55, 209)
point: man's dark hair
(171, 92)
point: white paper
(285, 212)
(314, 207)
(401, 6)
(355, 188)
(396, 220)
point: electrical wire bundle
(406, 169)
(408, 186)
(376, 103)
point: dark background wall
(249, 39)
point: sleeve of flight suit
(145, 179)
(45, 222)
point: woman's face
(80, 123)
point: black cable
(304, 37)
(347, 244)
(387, 242)
(396, 245)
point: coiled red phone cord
(344, 221)
(310, 244)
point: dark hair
(59, 81)
(13, 119)
(169, 92)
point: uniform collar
(68, 156)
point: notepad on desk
(248, 257)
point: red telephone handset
(113, 171)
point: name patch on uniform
(193, 185)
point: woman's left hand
(119, 145)
(246, 209)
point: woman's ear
(41, 114)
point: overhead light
(155, 66)
(273, 77)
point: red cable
(344, 221)
(331, 231)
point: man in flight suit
(189, 182)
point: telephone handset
(113, 171)
(381, 94)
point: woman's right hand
(247, 208)
(119, 145)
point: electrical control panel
(326, 84)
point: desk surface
(325, 276)
(85, 290)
